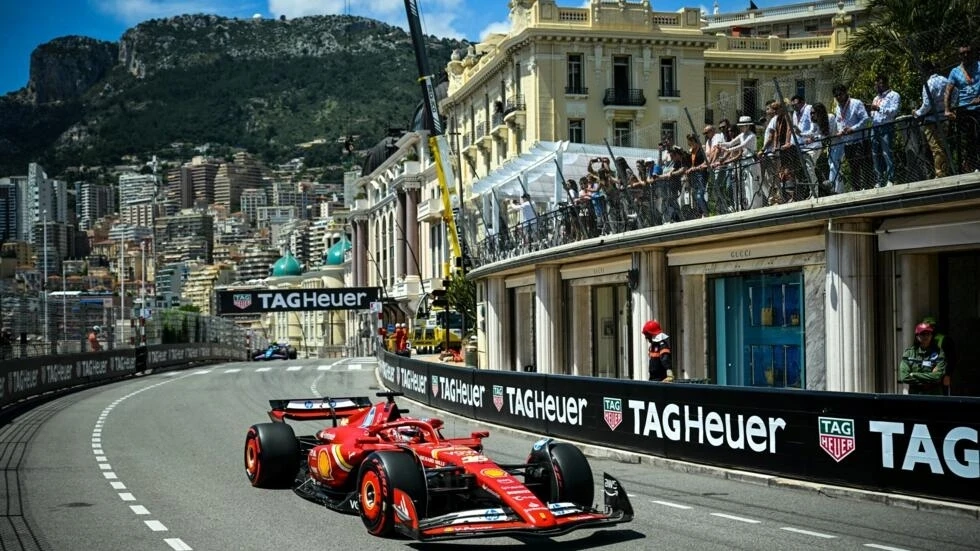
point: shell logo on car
(494, 473)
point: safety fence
(25, 378)
(915, 445)
(71, 324)
(621, 195)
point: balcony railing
(669, 93)
(497, 120)
(576, 90)
(514, 103)
(632, 97)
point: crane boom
(438, 144)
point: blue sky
(26, 24)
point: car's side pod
(615, 498)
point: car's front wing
(502, 521)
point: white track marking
(354, 367)
(294, 368)
(807, 532)
(669, 504)
(739, 519)
(177, 544)
(233, 370)
(263, 369)
(104, 467)
(884, 547)
(323, 367)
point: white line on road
(294, 368)
(177, 544)
(807, 532)
(110, 476)
(118, 485)
(105, 466)
(155, 525)
(262, 369)
(669, 504)
(323, 367)
(233, 370)
(202, 372)
(354, 367)
(126, 496)
(139, 509)
(739, 519)
(884, 547)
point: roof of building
(335, 254)
(287, 266)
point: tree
(462, 296)
(899, 36)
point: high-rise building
(94, 201)
(251, 200)
(192, 184)
(188, 235)
(233, 178)
(8, 207)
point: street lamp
(44, 281)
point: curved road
(155, 463)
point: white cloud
(501, 27)
(137, 11)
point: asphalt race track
(155, 463)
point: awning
(940, 229)
(539, 172)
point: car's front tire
(271, 455)
(381, 474)
(560, 472)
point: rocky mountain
(264, 85)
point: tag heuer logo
(435, 386)
(837, 437)
(612, 412)
(498, 397)
(242, 300)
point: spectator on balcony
(852, 123)
(802, 114)
(670, 184)
(932, 113)
(884, 108)
(749, 176)
(697, 175)
(823, 126)
(964, 80)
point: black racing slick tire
(380, 474)
(271, 455)
(559, 472)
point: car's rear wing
(306, 409)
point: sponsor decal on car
(494, 473)
(837, 437)
(612, 412)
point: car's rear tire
(559, 472)
(271, 455)
(380, 475)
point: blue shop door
(758, 330)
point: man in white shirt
(883, 110)
(750, 174)
(932, 113)
(852, 124)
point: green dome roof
(335, 255)
(287, 266)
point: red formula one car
(402, 476)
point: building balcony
(430, 210)
(483, 136)
(624, 97)
(514, 110)
(497, 125)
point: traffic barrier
(914, 445)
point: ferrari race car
(402, 476)
(276, 351)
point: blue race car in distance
(276, 351)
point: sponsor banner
(907, 444)
(257, 301)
